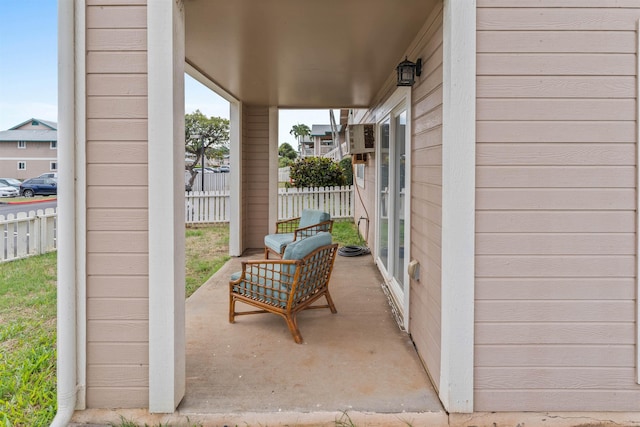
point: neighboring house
(29, 149)
(320, 142)
(510, 165)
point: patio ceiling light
(407, 71)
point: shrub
(347, 170)
(316, 172)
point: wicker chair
(309, 223)
(288, 286)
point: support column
(165, 35)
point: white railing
(26, 234)
(213, 206)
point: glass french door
(391, 207)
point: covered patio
(357, 360)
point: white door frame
(400, 100)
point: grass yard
(28, 320)
(28, 341)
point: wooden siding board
(580, 333)
(117, 331)
(116, 39)
(123, 175)
(118, 309)
(117, 397)
(612, 356)
(557, 377)
(131, 62)
(130, 16)
(555, 64)
(556, 109)
(118, 353)
(560, 154)
(555, 222)
(117, 129)
(118, 241)
(513, 132)
(117, 264)
(556, 18)
(118, 376)
(117, 107)
(555, 244)
(555, 199)
(115, 286)
(554, 311)
(556, 87)
(557, 400)
(555, 176)
(131, 197)
(555, 266)
(103, 219)
(554, 288)
(117, 153)
(116, 85)
(556, 41)
(582, 4)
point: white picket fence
(27, 234)
(337, 201)
(213, 206)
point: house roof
(302, 54)
(47, 123)
(39, 135)
(323, 130)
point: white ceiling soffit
(301, 53)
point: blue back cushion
(301, 248)
(311, 216)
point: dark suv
(39, 186)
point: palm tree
(300, 131)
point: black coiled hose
(353, 250)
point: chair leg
(266, 253)
(232, 309)
(332, 307)
(293, 327)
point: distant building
(320, 142)
(29, 149)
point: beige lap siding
(117, 211)
(426, 197)
(255, 179)
(555, 221)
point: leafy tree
(300, 131)
(316, 172)
(286, 150)
(210, 132)
(347, 170)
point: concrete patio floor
(357, 360)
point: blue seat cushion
(301, 248)
(311, 216)
(278, 242)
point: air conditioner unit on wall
(361, 138)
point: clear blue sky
(29, 73)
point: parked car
(8, 191)
(224, 168)
(10, 182)
(39, 186)
(49, 175)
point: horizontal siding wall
(426, 197)
(255, 180)
(555, 223)
(117, 236)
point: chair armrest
(313, 229)
(287, 225)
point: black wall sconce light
(407, 71)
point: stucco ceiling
(301, 53)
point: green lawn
(28, 320)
